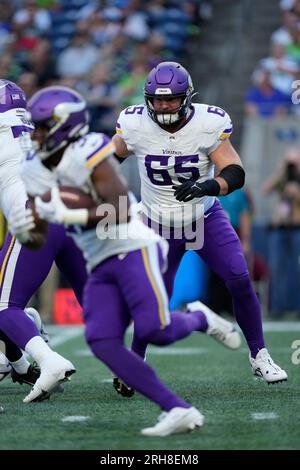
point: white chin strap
(167, 119)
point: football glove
(190, 189)
(21, 221)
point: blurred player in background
(125, 259)
(16, 328)
(178, 145)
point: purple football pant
(133, 289)
(223, 253)
(24, 270)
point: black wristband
(234, 175)
(209, 187)
(120, 159)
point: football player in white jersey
(15, 131)
(124, 257)
(14, 138)
(179, 145)
(16, 328)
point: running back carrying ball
(73, 198)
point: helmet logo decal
(163, 91)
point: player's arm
(13, 197)
(121, 151)
(231, 175)
(112, 189)
(17, 210)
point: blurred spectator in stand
(9, 69)
(32, 18)
(102, 29)
(29, 24)
(283, 69)
(152, 50)
(79, 58)
(296, 8)
(28, 82)
(157, 49)
(136, 21)
(292, 6)
(263, 99)
(286, 182)
(6, 12)
(103, 98)
(119, 54)
(132, 84)
(42, 63)
(88, 10)
(289, 30)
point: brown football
(73, 198)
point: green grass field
(241, 412)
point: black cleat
(4, 372)
(122, 388)
(29, 378)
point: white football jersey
(14, 143)
(166, 159)
(37, 178)
(75, 169)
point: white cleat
(34, 315)
(264, 367)
(56, 369)
(177, 420)
(218, 328)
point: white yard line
(264, 416)
(60, 335)
(83, 352)
(164, 351)
(279, 326)
(169, 351)
(75, 419)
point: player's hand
(56, 212)
(21, 221)
(188, 191)
(53, 211)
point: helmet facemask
(168, 117)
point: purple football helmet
(169, 80)
(11, 96)
(63, 112)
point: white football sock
(21, 366)
(38, 349)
